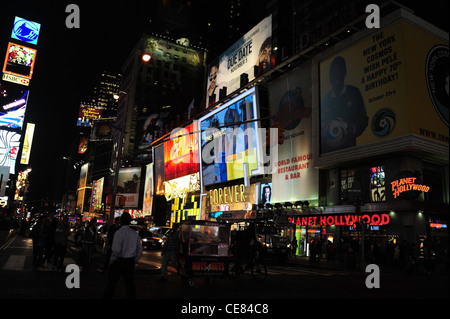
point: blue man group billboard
(26, 31)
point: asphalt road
(285, 287)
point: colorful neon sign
(340, 220)
(407, 184)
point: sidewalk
(323, 264)
(338, 266)
(142, 267)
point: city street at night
(224, 158)
(293, 279)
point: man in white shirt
(126, 251)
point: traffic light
(280, 134)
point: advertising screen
(102, 129)
(27, 142)
(83, 190)
(364, 95)
(229, 138)
(158, 155)
(19, 60)
(9, 149)
(253, 49)
(290, 98)
(13, 103)
(87, 114)
(148, 190)
(166, 50)
(26, 31)
(128, 185)
(97, 193)
(181, 152)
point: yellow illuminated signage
(27, 141)
(180, 187)
(227, 195)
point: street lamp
(146, 57)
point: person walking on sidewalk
(170, 251)
(62, 231)
(126, 251)
(109, 241)
(89, 240)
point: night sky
(68, 60)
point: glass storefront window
(377, 184)
(350, 186)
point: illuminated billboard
(25, 30)
(229, 138)
(19, 60)
(13, 103)
(128, 185)
(83, 190)
(102, 129)
(290, 100)
(9, 149)
(27, 142)
(252, 52)
(87, 114)
(166, 50)
(97, 194)
(373, 91)
(158, 155)
(148, 191)
(181, 152)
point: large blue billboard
(26, 31)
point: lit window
(377, 184)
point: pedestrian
(109, 241)
(312, 251)
(170, 251)
(47, 241)
(294, 246)
(89, 240)
(62, 231)
(126, 251)
(38, 242)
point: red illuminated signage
(402, 185)
(340, 220)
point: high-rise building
(104, 92)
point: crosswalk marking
(15, 262)
(295, 271)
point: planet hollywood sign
(340, 220)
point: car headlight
(144, 239)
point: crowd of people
(50, 238)
(429, 257)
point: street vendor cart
(204, 250)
